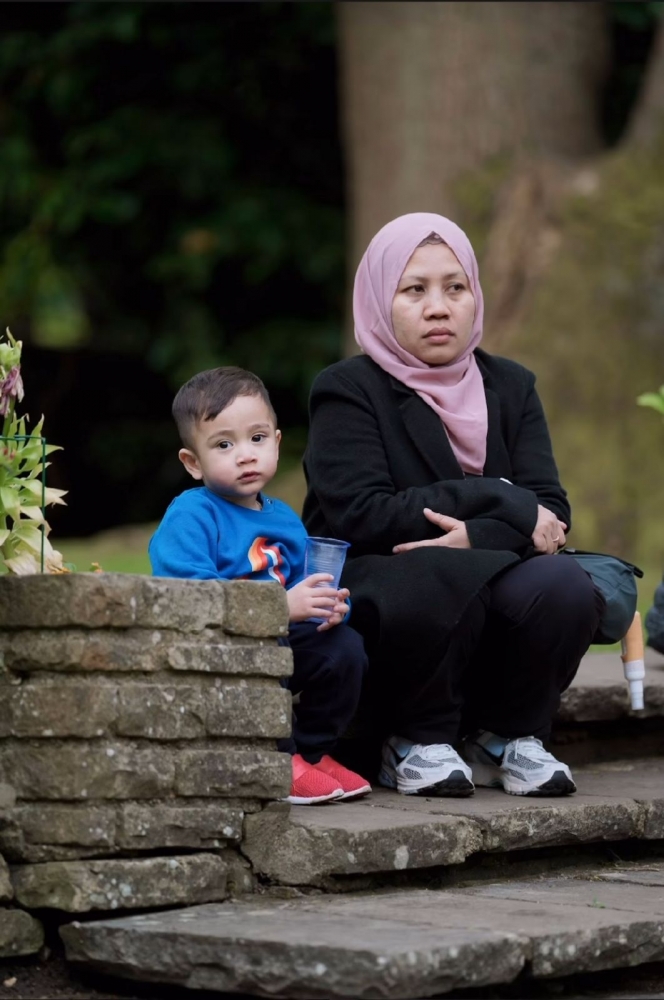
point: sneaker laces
(438, 752)
(530, 746)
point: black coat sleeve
(533, 464)
(348, 463)
(533, 468)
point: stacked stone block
(138, 720)
(20, 933)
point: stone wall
(138, 719)
(20, 933)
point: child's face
(236, 454)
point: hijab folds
(455, 391)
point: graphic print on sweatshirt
(266, 557)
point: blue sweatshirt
(204, 537)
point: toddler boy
(228, 528)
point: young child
(227, 528)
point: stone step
(599, 693)
(387, 832)
(402, 944)
(596, 723)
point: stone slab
(256, 609)
(123, 600)
(295, 950)
(43, 831)
(231, 657)
(391, 832)
(167, 825)
(635, 874)
(57, 709)
(165, 708)
(20, 934)
(261, 774)
(84, 886)
(401, 944)
(599, 693)
(78, 771)
(246, 708)
(7, 797)
(141, 650)
(74, 770)
(6, 888)
(305, 850)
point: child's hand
(306, 600)
(339, 611)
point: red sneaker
(353, 784)
(310, 785)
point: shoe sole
(453, 788)
(355, 794)
(456, 785)
(300, 800)
(490, 776)
(558, 784)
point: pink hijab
(456, 390)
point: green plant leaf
(37, 471)
(32, 537)
(33, 513)
(9, 502)
(53, 496)
(653, 400)
(30, 486)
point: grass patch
(120, 550)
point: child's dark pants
(329, 668)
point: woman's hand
(456, 536)
(549, 533)
(308, 599)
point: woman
(433, 459)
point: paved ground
(54, 980)
(405, 943)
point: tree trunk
(647, 122)
(431, 91)
(487, 112)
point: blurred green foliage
(636, 15)
(170, 183)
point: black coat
(377, 455)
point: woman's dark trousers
(504, 665)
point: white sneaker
(416, 769)
(520, 767)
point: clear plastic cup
(325, 555)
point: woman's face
(433, 308)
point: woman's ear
(191, 463)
